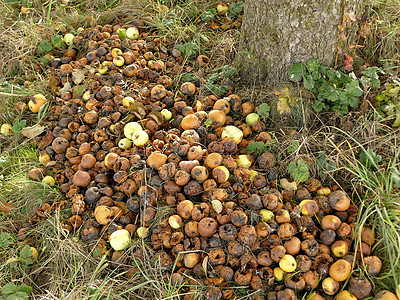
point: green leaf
(396, 178)
(299, 170)
(259, 147)
(263, 110)
(316, 75)
(189, 49)
(57, 41)
(209, 14)
(353, 88)
(293, 147)
(5, 239)
(78, 90)
(318, 105)
(313, 65)
(18, 125)
(25, 289)
(354, 102)
(9, 288)
(208, 122)
(371, 78)
(216, 89)
(228, 71)
(324, 165)
(308, 82)
(44, 47)
(369, 158)
(297, 71)
(190, 77)
(236, 8)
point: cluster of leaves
(258, 147)
(218, 81)
(263, 111)
(324, 165)
(219, 78)
(333, 89)
(12, 291)
(56, 42)
(369, 158)
(299, 170)
(189, 49)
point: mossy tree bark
(277, 33)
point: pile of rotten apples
(120, 145)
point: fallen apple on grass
(120, 239)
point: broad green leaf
(263, 110)
(372, 77)
(189, 49)
(208, 14)
(299, 170)
(354, 102)
(396, 178)
(18, 296)
(25, 289)
(44, 47)
(313, 65)
(297, 71)
(369, 158)
(9, 288)
(259, 147)
(5, 239)
(318, 105)
(353, 88)
(293, 147)
(324, 165)
(308, 82)
(316, 75)
(57, 41)
(18, 125)
(236, 8)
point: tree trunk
(278, 33)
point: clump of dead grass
(384, 41)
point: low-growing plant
(263, 111)
(333, 89)
(324, 165)
(12, 291)
(293, 147)
(215, 80)
(299, 170)
(259, 147)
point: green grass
(377, 193)
(384, 41)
